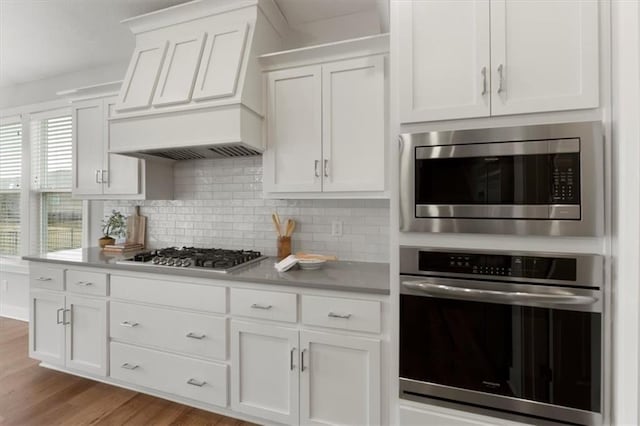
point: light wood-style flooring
(32, 395)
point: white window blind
(51, 153)
(10, 177)
(60, 215)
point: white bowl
(311, 264)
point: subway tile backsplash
(219, 203)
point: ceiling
(41, 39)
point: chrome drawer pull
(343, 316)
(84, 283)
(128, 366)
(58, 320)
(258, 306)
(197, 383)
(193, 335)
(44, 279)
(129, 324)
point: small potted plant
(112, 226)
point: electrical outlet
(336, 228)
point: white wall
(45, 90)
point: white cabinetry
(294, 141)
(325, 126)
(476, 58)
(69, 331)
(440, 416)
(99, 174)
(264, 371)
(280, 373)
(339, 379)
(296, 356)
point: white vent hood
(193, 88)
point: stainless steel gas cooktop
(212, 259)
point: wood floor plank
(32, 395)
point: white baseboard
(14, 312)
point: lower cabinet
(305, 377)
(196, 379)
(339, 379)
(264, 371)
(69, 331)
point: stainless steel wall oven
(544, 180)
(517, 332)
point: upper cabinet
(100, 174)
(326, 122)
(478, 58)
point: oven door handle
(484, 295)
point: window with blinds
(10, 177)
(60, 215)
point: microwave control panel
(566, 177)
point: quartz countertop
(360, 277)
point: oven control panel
(556, 268)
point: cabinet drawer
(170, 293)
(347, 314)
(41, 276)
(83, 282)
(271, 305)
(185, 332)
(202, 381)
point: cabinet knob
(129, 324)
(128, 366)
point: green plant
(114, 225)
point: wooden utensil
(136, 227)
(276, 222)
(309, 256)
(290, 227)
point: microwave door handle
(433, 289)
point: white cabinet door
(294, 125)
(86, 321)
(88, 125)
(221, 63)
(353, 125)
(179, 71)
(339, 380)
(122, 174)
(264, 372)
(444, 59)
(142, 77)
(46, 329)
(544, 55)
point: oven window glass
(512, 180)
(545, 355)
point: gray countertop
(361, 277)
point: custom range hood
(193, 88)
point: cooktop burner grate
(218, 260)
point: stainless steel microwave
(530, 180)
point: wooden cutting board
(136, 227)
